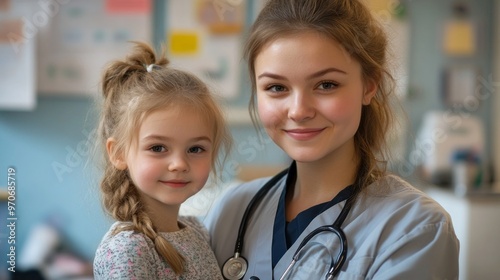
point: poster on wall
(17, 56)
(205, 38)
(82, 37)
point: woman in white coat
(322, 91)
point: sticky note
(11, 31)
(184, 43)
(128, 6)
(459, 38)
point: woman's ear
(370, 91)
(117, 159)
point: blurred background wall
(48, 145)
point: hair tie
(150, 67)
(156, 237)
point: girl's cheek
(147, 172)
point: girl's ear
(115, 158)
(370, 91)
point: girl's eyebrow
(156, 137)
(202, 138)
(313, 75)
(164, 138)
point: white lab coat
(394, 231)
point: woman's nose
(301, 107)
(178, 163)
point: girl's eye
(157, 149)
(196, 150)
(328, 85)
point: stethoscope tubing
(251, 205)
(343, 244)
(335, 228)
(237, 260)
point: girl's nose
(178, 163)
(301, 107)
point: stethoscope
(236, 267)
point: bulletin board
(17, 56)
(82, 37)
(205, 37)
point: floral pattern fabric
(132, 255)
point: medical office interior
(447, 70)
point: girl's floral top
(132, 255)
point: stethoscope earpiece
(235, 268)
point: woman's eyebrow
(325, 71)
(271, 75)
(313, 75)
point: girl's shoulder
(125, 241)
(196, 225)
(125, 254)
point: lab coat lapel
(258, 239)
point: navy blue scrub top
(286, 233)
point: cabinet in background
(476, 223)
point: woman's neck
(320, 181)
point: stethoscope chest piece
(234, 268)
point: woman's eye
(196, 150)
(157, 149)
(276, 88)
(328, 85)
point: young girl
(162, 131)
(322, 90)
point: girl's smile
(175, 183)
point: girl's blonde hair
(352, 25)
(131, 93)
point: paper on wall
(17, 56)
(82, 38)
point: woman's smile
(304, 134)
